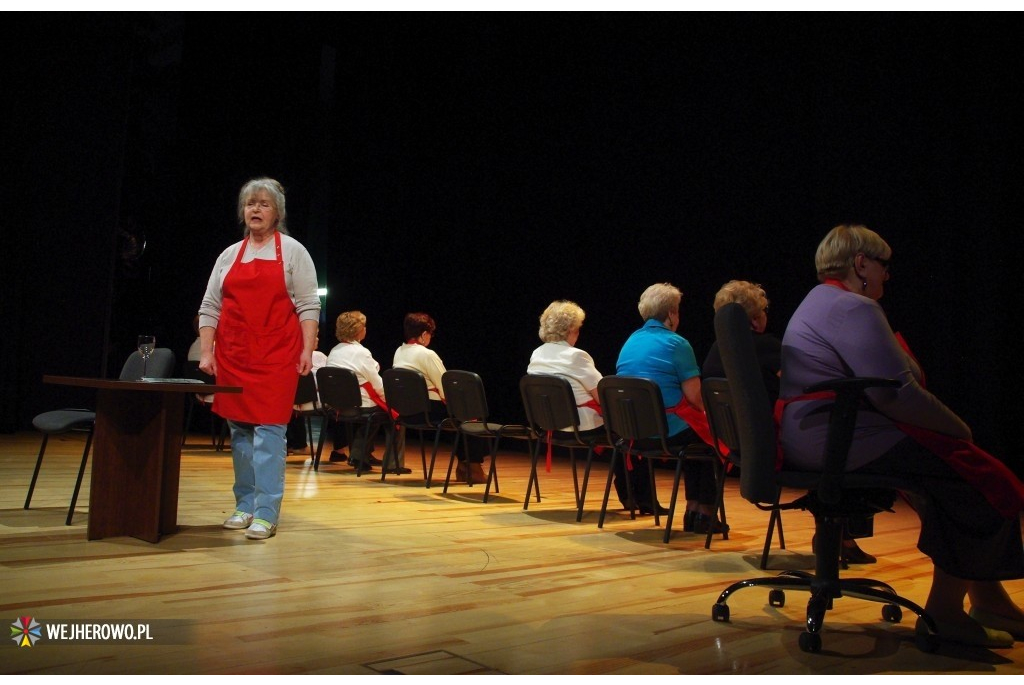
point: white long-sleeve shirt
(356, 358)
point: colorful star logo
(25, 631)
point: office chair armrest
(841, 424)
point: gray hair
(837, 251)
(658, 300)
(561, 318)
(276, 193)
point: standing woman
(262, 310)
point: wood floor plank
(367, 577)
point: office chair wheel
(810, 642)
(892, 613)
(720, 613)
(777, 598)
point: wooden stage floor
(366, 578)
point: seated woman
(350, 329)
(559, 331)
(752, 298)
(415, 353)
(970, 520)
(657, 352)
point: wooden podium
(136, 454)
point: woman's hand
(208, 364)
(305, 364)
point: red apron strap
(698, 421)
(377, 399)
(592, 404)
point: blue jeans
(258, 452)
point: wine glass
(147, 343)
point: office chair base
(821, 599)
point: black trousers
(961, 532)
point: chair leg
(607, 488)
(492, 473)
(390, 450)
(719, 501)
(575, 476)
(673, 500)
(773, 520)
(533, 477)
(35, 473)
(78, 483)
(451, 462)
(654, 494)
(583, 490)
(428, 474)
(309, 435)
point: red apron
(259, 342)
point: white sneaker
(261, 530)
(238, 521)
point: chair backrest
(339, 390)
(405, 391)
(549, 402)
(720, 413)
(464, 396)
(755, 426)
(305, 392)
(633, 408)
(160, 365)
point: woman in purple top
(840, 330)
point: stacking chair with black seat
(342, 401)
(633, 411)
(160, 365)
(550, 406)
(833, 496)
(307, 405)
(722, 422)
(218, 426)
(467, 407)
(406, 393)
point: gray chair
(722, 422)
(467, 407)
(550, 406)
(634, 410)
(160, 365)
(833, 495)
(405, 391)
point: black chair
(342, 401)
(406, 393)
(218, 436)
(722, 421)
(633, 411)
(160, 365)
(306, 406)
(467, 407)
(550, 406)
(833, 495)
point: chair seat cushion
(63, 420)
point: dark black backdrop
(478, 166)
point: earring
(863, 286)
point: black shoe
(362, 467)
(688, 518)
(852, 554)
(702, 523)
(374, 461)
(645, 509)
(338, 456)
(400, 470)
